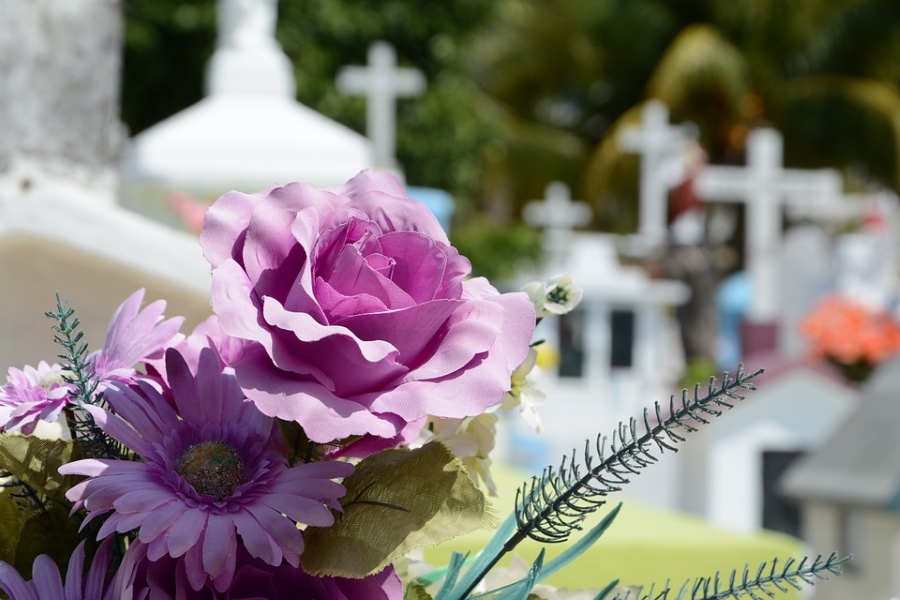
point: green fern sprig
(78, 371)
(762, 585)
(550, 507)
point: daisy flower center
(212, 468)
(48, 380)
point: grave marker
(659, 145)
(764, 185)
(382, 82)
(558, 215)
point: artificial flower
(524, 394)
(166, 579)
(557, 296)
(471, 439)
(359, 315)
(47, 584)
(32, 395)
(134, 336)
(212, 471)
(852, 335)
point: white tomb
(248, 133)
(793, 412)
(382, 82)
(620, 350)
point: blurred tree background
(523, 92)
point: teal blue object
(439, 202)
(578, 548)
(488, 556)
(732, 303)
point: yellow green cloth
(644, 545)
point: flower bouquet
(851, 336)
(333, 415)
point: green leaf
(25, 534)
(416, 591)
(396, 501)
(486, 558)
(605, 592)
(36, 462)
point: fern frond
(763, 584)
(551, 507)
(79, 372)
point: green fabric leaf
(25, 534)
(416, 591)
(37, 461)
(396, 501)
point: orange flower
(847, 332)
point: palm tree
(818, 71)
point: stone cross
(558, 215)
(659, 145)
(764, 185)
(382, 82)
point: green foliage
(396, 500)
(552, 506)
(35, 520)
(763, 584)
(79, 371)
(496, 252)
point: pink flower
(212, 472)
(31, 395)
(207, 334)
(359, 314)
(47, 584)
(166, 579)
(134, 337)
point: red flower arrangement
(851, 335)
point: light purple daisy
(47, 583)
(212, 471)
(133, 337)
(31, 395)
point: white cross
(382, 83)
(558, 215)
(763, 185)
(659, 144)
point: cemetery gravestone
(248, 133)
(60, 229)
(59, 87)
(806, 276)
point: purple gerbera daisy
(47, 584)
(166, 579)
(32, 395)
(213, 471)
(133, 337)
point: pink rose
(355, 309)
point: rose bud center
(212, 468)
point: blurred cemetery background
(720, 176)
